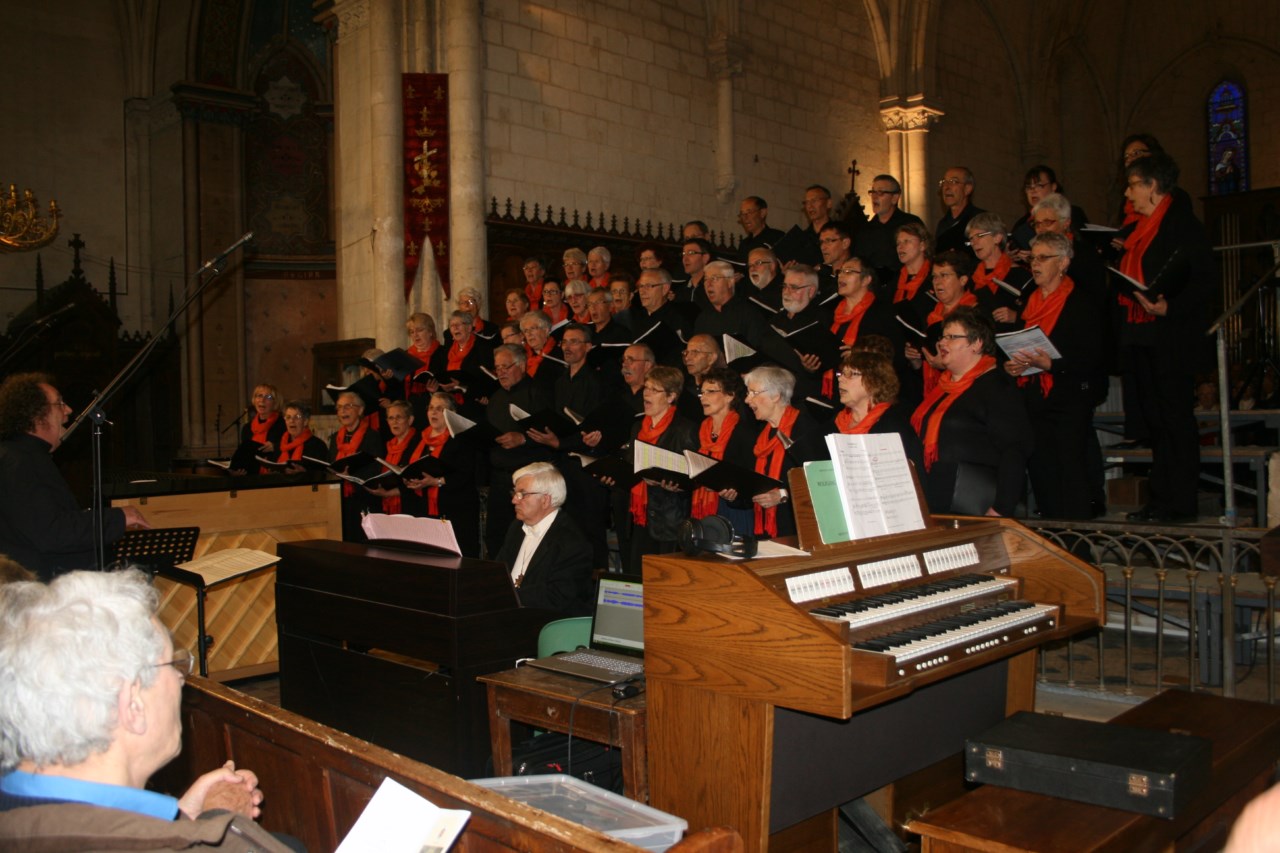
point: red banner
(426, 173)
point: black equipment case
(1139, 770)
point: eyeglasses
(255, 396)
(1036, 185)
(521, 494)
(952, 181)
(1041, 224)
(882, 192)
(719, 278)
(183, 662)
(850, 271)
(755, 392)
(977, 236)
(849, 374)
(705, 391)
(795, 287)
(953, 337)
(691, 252)
(763, 262)
(1040, 259)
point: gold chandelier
(21, 226)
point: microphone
(222, 256)
(51, 316)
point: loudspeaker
(714, 533)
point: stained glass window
(1228, 140)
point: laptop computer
(617, 635)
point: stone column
(908, 129)
(386, 130)
(464, 61)
(725, 53)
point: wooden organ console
(779, 689)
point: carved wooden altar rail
(317, 780)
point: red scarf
(413, 387)
(705, 501)
(909, 286)
(395, 449)
(769, 455)
(844, 420)
(948, 390)
(1135, 246)
(432, 444)
(982, 277)
(937, 315)
(290, 450)
(534, 292)
(584, 319)
(259, 430)
(852, 315)
(650, 434)
(557, 316)
(458, 352)
(533, 360)
(348, 446)
(1044, 311)
(599, 282)
(424, 355)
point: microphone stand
(94, 411)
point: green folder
(832, 525)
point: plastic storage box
(584, 803)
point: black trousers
(1165, 393)
(1060, 469)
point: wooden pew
(317, 780)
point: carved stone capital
(725, 55)
(352, 15)
(904, 119)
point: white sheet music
(218, 566)
(875, 484)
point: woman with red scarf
(951, 289)
(973, 425)
(553, 303)
(723, 435)
(1058, 391)
(789, 438)
(869, 393)
(261, 435)
(453, 494)
(859, 312)
(575, 293)
(355, 435)
(990, 240)
(465, 356)
(471, 300)
(915, 248)
(399, 417)
(1162, 340)
(656, 509)
(297, 440)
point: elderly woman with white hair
(1000, 285)
(574, 263)
(789, 438)
(1058, 391)
(471, 300)
(598, 260)
(90, 707)
(575, 293)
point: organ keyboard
(731, 646)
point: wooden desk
(545, 699)
(1246, 746)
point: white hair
(602, 253)
(546, 478)
(773, 380)
(66, 650)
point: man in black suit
(549, 558)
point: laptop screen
(618, 624)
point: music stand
(158, 552)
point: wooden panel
(730, 742)
(240, 615)
(316, 778)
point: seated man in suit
(549, 557)
(92, 690)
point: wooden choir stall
(765, 715)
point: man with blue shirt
(90, 700)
